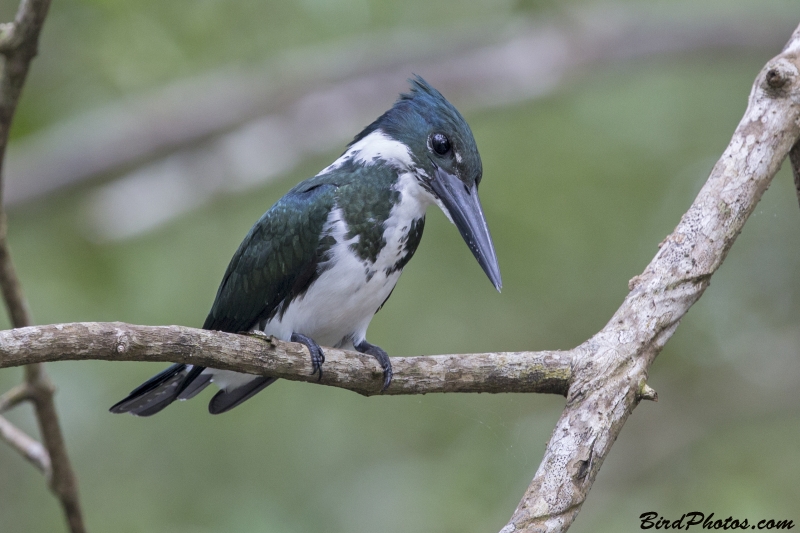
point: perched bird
(324, 259)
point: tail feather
(159, 391)
(224, 400)
(151, 408)
(194, 385)
(181, 382)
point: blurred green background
(581, 183)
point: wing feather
(277, 260)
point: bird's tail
(176, 382)
(225, 400)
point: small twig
(646, 392)
(15, 396)
(31, 449)
(7, 36)
(11, 288)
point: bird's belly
(335, 311)
(338, 307)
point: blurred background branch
(18, 45)
(233, 128)
(30, 448)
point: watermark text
(698, 520)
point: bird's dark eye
(440, 143)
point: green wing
(277, 260)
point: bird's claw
(317, 357)
(383, 359)
(387, 377)
(316, 363)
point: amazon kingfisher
(320, 263)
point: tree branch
(547, 372)
(17, 395)
(18, 44)
(32, 450)
(610, 369)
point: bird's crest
(421, 104)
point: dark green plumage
(410, 243)
(366, 203)
(281, 255)
(277, 260)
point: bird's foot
(383, 359)
(317, 357)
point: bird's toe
(383, 359)
(317, 356)
(387, 377)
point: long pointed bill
(464, 208)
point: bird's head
(446, 163)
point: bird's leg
(317, 357)
(383, 359)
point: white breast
(338, 307)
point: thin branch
(62, 481)
(547, 372)
(21, 36)
(11, 288)
(18, 44)
(610, 369)
(32, 450)
(15, 396)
